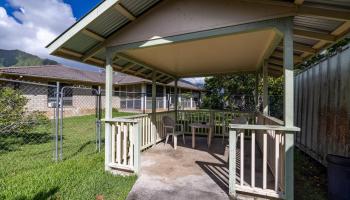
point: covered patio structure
(167, 40)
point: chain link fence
(50, 122)
(27, 125)
(42, 123)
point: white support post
(108, 109)
(265, 89)
(137, 147)
(154, 107)
(143, 97)
(179, 96)
(256, 91)
(289, 108)
(164, 97)
(191, 99)
(232, 163)
(175, 99)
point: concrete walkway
(185, 173)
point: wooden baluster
(119, 138)
(242, 158)
(277, 152)
(264, 159)
(125, 140)
(113, 143)
(148, 130)
(131, 146)
(143, 131)
(253, 160)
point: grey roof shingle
(62, 72)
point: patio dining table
(194, 126)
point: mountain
(19, 58)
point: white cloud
(34, 24)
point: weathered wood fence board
(322, 110)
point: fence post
(56, 119)
(137, 147)
(61, 122)
(98, 120)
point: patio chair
(170, 124)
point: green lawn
(27, 169)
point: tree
(237, 92)
(14, 117)
(234, 92)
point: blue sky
(81, 7)
(29, 25)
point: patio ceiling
(244, 52)
(317, 24)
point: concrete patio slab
(185, 173)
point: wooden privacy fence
(322, 98)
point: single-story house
(132, 94)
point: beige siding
(176, 17)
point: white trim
(80, 25)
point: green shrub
(14, 117)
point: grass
(310, 178)
(28, 171)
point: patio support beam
(265, 89)
(125, 12)
(108, 109)
(289, 108)
(314, 35)
(256, 90)
(154, 108)
(93, 35)
(323, 13)
(137, 62)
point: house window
(67, 95)
(130, 97)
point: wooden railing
(219, 118)
(273, 151)
(131, 135)
(269, 138)
(125, 144)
